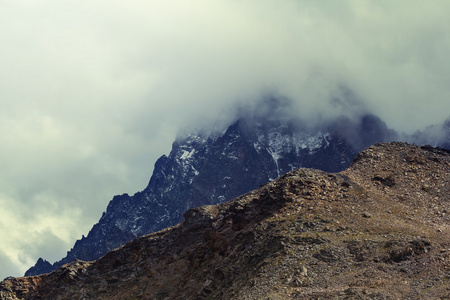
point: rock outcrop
(205, 169)
(378, 230)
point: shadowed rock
(302, 236)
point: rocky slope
(378, 230)
(205, 169)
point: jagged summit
(378, 230)
(216, 165)
(213, 167)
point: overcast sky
(93, 92)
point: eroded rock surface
(378, 230)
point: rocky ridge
(207, 169)
(377, 230)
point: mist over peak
(93, 94)
(346, 115)
(434, 135)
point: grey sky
(93, 92)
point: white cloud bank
(93, 92)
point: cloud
(94, 92)
(32, 228)
(8, 267)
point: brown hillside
(378, 230)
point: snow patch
(282, 140)
(186, 155)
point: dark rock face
(210, 169)
(41, 267)
(306, 235)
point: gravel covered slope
(378, 230)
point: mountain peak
(378, 229)
(205, 168)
